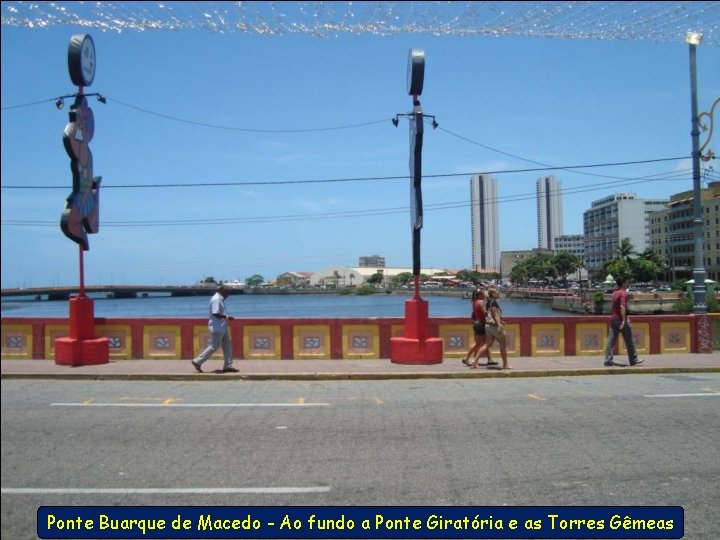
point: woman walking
(479, 313)
(494, 330)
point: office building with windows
(672, 233)
(372, 261)
(484, 223)
(548, 191)
(612, 219)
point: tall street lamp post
(693, 39)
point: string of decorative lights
(627, 21)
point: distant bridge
(112, 291)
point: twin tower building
(484, 218)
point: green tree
(626, 250)
(470, 275)
(616, 267)
(375, 279)
(403, 278)
(519, 274)
(255, 280)
(660, 267)
(643, 270)
(565, 264)
(540, 266)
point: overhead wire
(349, 213)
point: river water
(270, 305)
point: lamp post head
(693, 38)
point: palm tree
(565, 264)
(625, 250)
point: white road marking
(153, 491)
(705, 394)
(186, 405)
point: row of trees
(640, 267)
(542, 266)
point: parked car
(662, 288)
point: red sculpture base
(81, 347)
(415, 347)
(81, 352)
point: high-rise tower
(484, 223)
(549, 211)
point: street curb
(328, 376)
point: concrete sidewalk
(355, 369)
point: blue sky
(193, 107)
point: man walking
(218, 325)
(620, 324)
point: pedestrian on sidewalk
(479, 314)
(494, 329)
(620, 324)
(220, 333)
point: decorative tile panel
(674, 337)
(261, 342)
(161, 342)
(119, 340)
(17, 342)
(457, 339)
(548, 339)
(361, 341)
(590, 338)
(311, 342)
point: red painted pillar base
(81, 347)
(415, 347)
(704, 334)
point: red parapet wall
(358, 338)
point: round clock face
(416, 71)
(81, 59)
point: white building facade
(612, 219)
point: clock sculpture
(415, 346)
(82, 213)
(82, 208)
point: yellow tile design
(360, 341)
(548, 339)
(261, 342)
(119, 338)
(17, 342)
(457, 339)
(161, 342)
(311, 342)
(674, 337)
(591, 338)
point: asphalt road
(649, 440)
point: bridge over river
(112, 291)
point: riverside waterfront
(261, 306)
